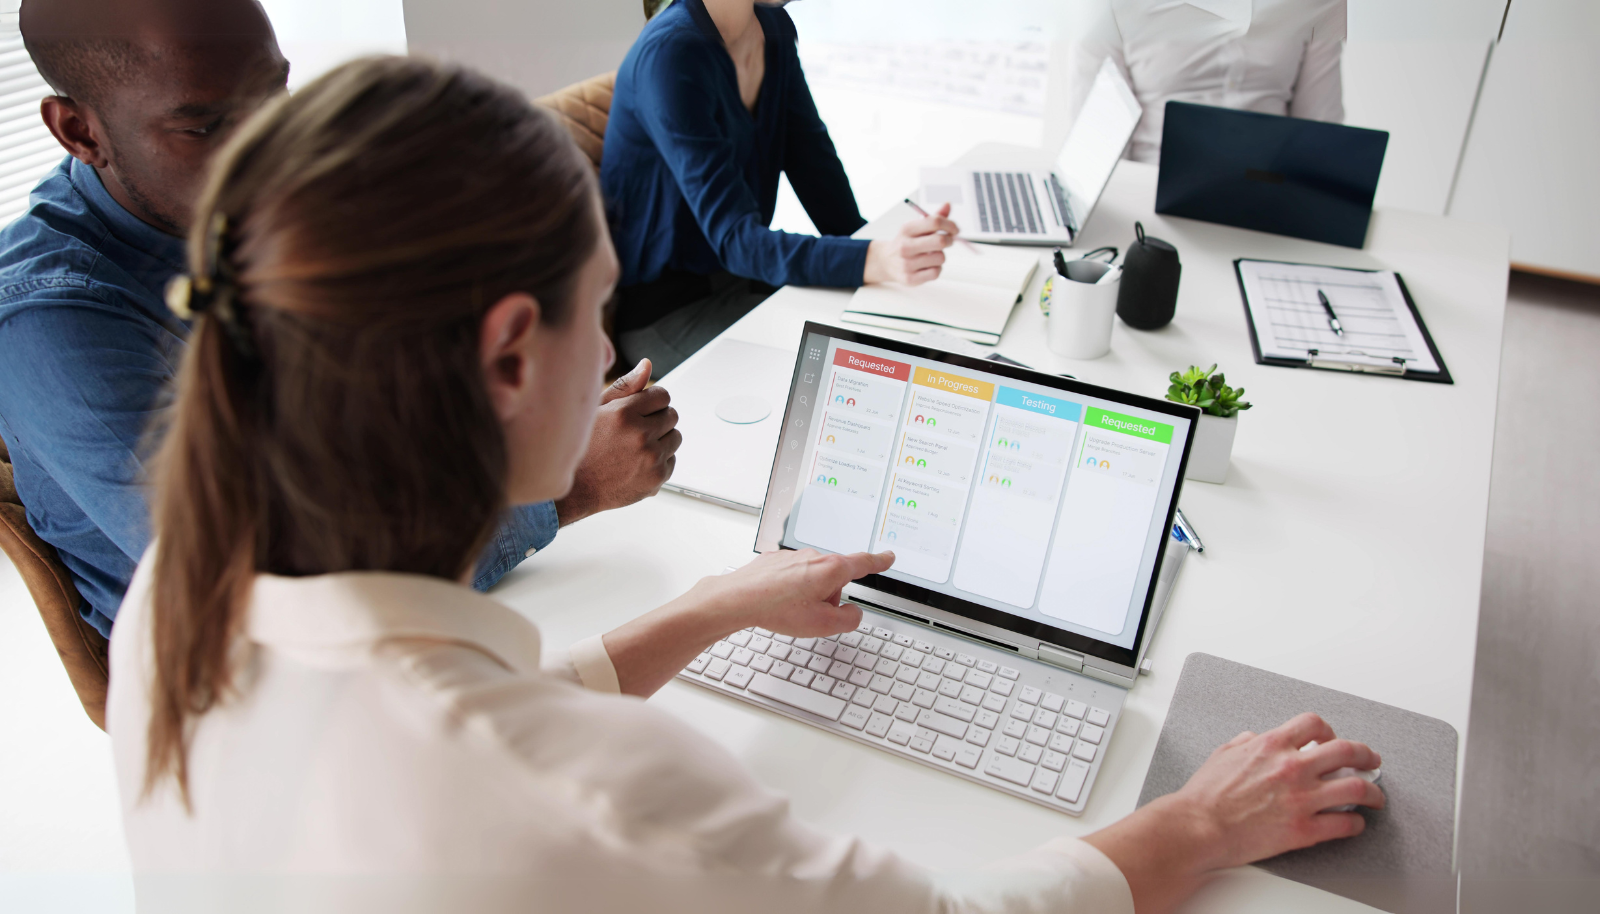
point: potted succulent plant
(1219, 419)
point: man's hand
(631, 452)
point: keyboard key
(819, 664)
(911, 660)
(1009, 673)
(718, 668)
(760, 644)
(955, 672)
(933, 665)
(1022, 712)
(907, 711)
(941, 723)
(955, 708)
(796, 696)
(778, 651)
(967, 756)
(825, 648)
(1072, 781)
(1045, 781)
(1005, 745)
(879, 724)
(886, 667)
(972, 695)
(866, 661)
(883, 633)
(993, 702)
(839, 670)
(805, 644)
(855, 717)
(903, 640)
(762, 632)
(1053, 760)
(843, 691)
(721, 649)
(782, 670)
(871, 646)
(923, 698)
(740, 639)
(1007, 769)
(850, 639)
(845, 654)
(987, 719)
(945, 748)
(950, 688)
(1030, 753)
(1061, 743)
(739, 677)
(1015, 729)
(823, 683)
(892, 651)
(1045, 719)
(1001, 686)
(1030, 695)
(922, 646)
(1038, 736)
(864, 698)
(927, 680)
(921, 743)
(901, 732)
(1083, 750)
(988, 666)
(881, 684)
(860, 678)
(1099, 717)
(742, 656)
(885, 705)
(902, 691)
(799, 657)
(980, 680)
(803, 677)
(864, 627)
(786, 639)
(1052, 702)
(1068, 726)
(1075, 708)
(978, 736)
(761, 663)
(966, 660)
(698, 664)
(944, 653)
(1092, 734)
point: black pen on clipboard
(970, 246)
(1333, 319)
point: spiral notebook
(972, 298)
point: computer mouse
(1371, 776)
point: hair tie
(212, 291)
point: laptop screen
(1099, 134)
(1027, 501)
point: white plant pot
(1213, 448)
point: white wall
(1532, 161)
(317, 35)
(536, 45)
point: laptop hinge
(1065, 659)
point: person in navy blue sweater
(710, 106)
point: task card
(851, 454)
(1008, 526)
(1105, 520)
(938, 449)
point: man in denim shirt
(87, 344)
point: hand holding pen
(944, 211)
(913, 255)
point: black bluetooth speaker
(1149, 294)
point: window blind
(27, 150)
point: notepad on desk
(972, 298)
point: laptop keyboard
(987, 715)
(1006, 203)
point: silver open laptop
(1044, 207)
(1029, 515)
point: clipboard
(1392, 367)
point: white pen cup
(1082, 308)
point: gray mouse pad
(1402, 862)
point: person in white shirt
(398, 275)
(1271, 56)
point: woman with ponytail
(398, 276)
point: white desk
(1345, 548)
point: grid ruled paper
(1290, 321)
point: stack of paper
(972, 297)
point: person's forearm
(651, 649)
(1163, 851)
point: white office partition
(316, 35)
(1530, 162)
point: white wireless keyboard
(1024, 727)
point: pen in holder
(1082, 302)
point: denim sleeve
(701, 156)
(526, 530)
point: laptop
(1029, 514)
(1044, 207)
(1285, 175)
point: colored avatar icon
(899, 501)
(1016, 445)
(932, 422)
(911, 460)
(1001, 443)
(919, 420)
(891, 535)
(850, 402)
(912, 503)
(921, 462)
(830, 439)
(833, 480)
(1005, 483)
(839, 399)
(993, 478)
